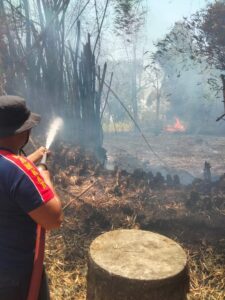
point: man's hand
(38, 154)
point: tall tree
(206, 45)
(188, 79)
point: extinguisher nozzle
(44, 158)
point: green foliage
(117, 126)
(202, 37)
(213, 24)
(207, 28)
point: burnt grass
(192, 215)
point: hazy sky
(162, 14)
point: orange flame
(177, 127)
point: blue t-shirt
(22, 189)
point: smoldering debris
(140, 199)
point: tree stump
(136, 265)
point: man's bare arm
(38, 154)
(49, 215)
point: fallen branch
(221, 117)
(78, 196)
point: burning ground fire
(178, 126)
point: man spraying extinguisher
(27, 200)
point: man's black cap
(15, 117)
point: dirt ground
(192, 215)
(177, 153)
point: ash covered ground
(178, 153)
(131, 197)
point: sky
(162, 14)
